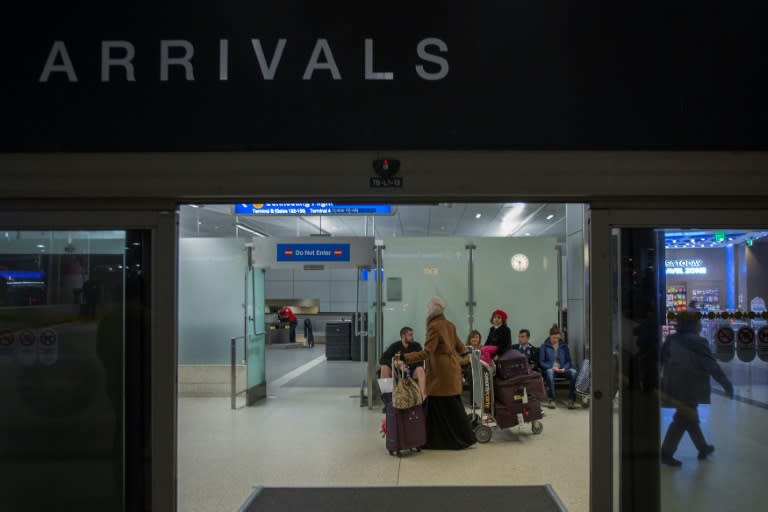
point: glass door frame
(162, 225)
(602, 221)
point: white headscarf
(435, 306)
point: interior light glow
(550, 216)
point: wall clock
(519, 262)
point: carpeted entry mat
(524, 498)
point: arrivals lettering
(177, 61)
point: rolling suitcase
(511, 415)
(508, 391)
(533, 382)
(512, 363)
(406, 429)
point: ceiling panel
(444, 219)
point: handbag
(406, 392)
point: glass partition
(255, 335)
(690, 328)
(73, 317)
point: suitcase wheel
(483, 433)
(537, 426)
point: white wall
(438, 266)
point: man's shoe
(550, 404)
(571, 405)
(706, 451)
(670, 461)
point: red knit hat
(502, 314)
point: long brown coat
(442, 350)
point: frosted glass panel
(528, 296)
(427, 267)
(211, 274)
(255, 334)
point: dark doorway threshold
(524, 498)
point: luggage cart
(483, 402)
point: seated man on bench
(555, 361)
(404, 346)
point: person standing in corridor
(687, 364)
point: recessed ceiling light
(478, 215)
(550, 216)
(527, 234)
(40, 246)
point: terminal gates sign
(313, 252)
(312, 209)
(302, 74)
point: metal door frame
(162, 225)
(602, 477)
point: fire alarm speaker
(386, 167)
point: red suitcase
(406, 429)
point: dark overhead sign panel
(550, 74)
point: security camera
(386, 167)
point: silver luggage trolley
(482, 416)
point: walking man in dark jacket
(688, 363)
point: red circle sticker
(762, 334)
(725, 335)
(746, 335)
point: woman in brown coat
(448, 427)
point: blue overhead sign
(313, 252)
(312, 209)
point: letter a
(58, 48)
(329, 64)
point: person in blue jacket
(555, 361)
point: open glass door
(688, 403)
(255, 335)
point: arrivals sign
(312, 252)
(312, 209)
(307, 75)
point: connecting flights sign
(312, 209)
(313, 252)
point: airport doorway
(322, 402)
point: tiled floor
(732, 478)
(315, 435)
(320, 436)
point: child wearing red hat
(499, 338)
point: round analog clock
(519, 262)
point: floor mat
(524, 498)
